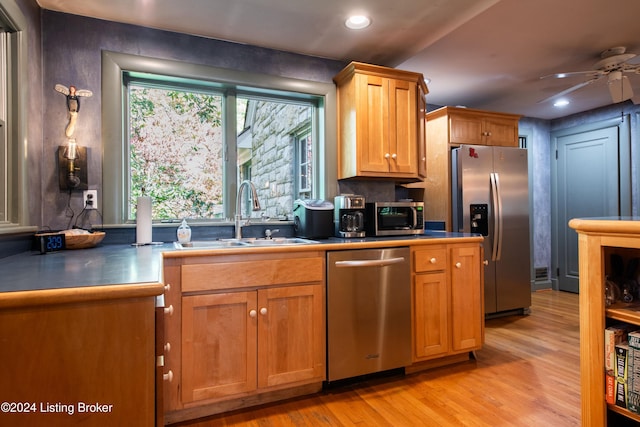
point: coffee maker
(349, 215)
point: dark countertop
(102, 265)
(119, 264)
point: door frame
(623, 123)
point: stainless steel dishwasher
(368, 311)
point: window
(13, 117)
(176, 147)
(3, 128)
(304, 150)
(213, 129)
(175, 151)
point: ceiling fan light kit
(613, 64)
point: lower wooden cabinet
(219, 342)
(467, 297)
(244, 329)
(256, 335)
(79, 356)
(238, 342)
(431, 307)
(447, 300)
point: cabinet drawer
(251, 273)
(431, 259)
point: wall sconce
(72, 166)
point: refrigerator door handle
(496, 251)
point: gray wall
(537, 133)
(543, 154)
(72, 48)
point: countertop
(614, 224)
(102, 265)
(108, 265)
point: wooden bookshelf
(628, 313)
(598, 238)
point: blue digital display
(55, 243)
(51, 242)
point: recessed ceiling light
(561, 103)
(357, 22)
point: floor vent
(542, 274)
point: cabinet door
(501, 132)
(431, 309)
(291, 343)
(465, 129)
(372, 109)
(219, 339)
(467, 313)
(402, 154)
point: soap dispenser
(184, 232)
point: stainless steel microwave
(394, 218)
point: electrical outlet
(90, 198)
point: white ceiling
(486, 54)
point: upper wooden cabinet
(447, 128)
(380, 123)
(475, 127)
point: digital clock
(50, 242)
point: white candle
(143, 221)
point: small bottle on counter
(184, 232)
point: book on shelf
(622, 367)
(613, 335)
(610, 387)
(633, 373)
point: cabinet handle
(394, 156)
(167, 287)
(386, 156)
(433, 260)
(486, 262)
(488, 133)
(263, 311)
(169, 310)
(253, 313)
(168, 376)
(167, 347)
(458, 264)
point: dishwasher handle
(369, 262)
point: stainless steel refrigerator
(490, 196)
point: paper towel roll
(143, 221)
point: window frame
(114, 136)
(16, 200)
(301, 138)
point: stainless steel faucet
(254, 200)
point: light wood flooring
(527, 374)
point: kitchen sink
(246, 242)
(209, 244)
(280, 241)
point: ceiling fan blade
(620, 89)
(571, 89)
(571, 74)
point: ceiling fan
(613, 64)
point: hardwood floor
(527, 374)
